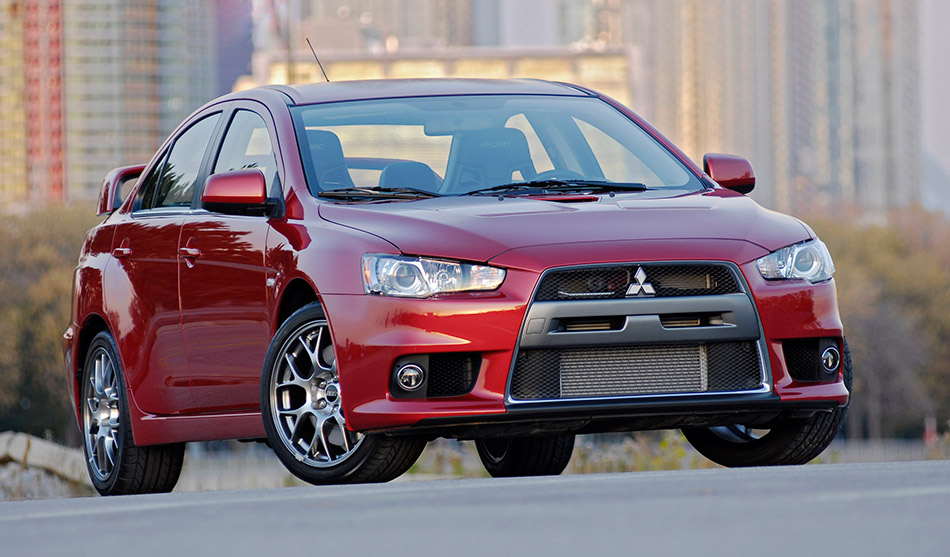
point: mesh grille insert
(801, 357)
(611, 282)
(635, 370)
(452, 374)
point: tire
(301, 397)
(791, 441)
(116, 465)
(526, 456)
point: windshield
(464, 144)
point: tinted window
(459, 144)
(146, 194)
(247, 145)
(177, 182)
(620, 161)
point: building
(821, 95)
(607, 71)
(88, 85)
(31, 117)
(132, 71)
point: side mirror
(239, 192)
(110, 193)
(730, 171)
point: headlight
(808, 260)
(421, 277)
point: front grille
(452, 374)
(611, 282)
(635, 370)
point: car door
(146, 247)
(224, 303)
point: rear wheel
(302, 407)
(526, 456)
(116, 465)
(791, 441)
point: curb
(63, 462)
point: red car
(347, 270)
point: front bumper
(372, 332)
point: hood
(478, 228)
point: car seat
(486, 158)
(328, 163)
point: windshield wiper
(377, 193)
(555, 185)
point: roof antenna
(318, 60)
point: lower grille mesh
(635, 370)
(801, 357)
(452, 374)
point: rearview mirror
(239, 192)
(729, 171)
(110, 193)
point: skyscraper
(89, 85)
(133, 70)
(820, 95)
(31, 124)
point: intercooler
(565, 373)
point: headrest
(409, 174)
(325, 145)
(328, 162)
(501, 147)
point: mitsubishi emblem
(640, 288)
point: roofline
(372, 89)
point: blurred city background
(840, 105)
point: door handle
(123, 250)
(189, 253)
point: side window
(145, 197)
(247, 145)
(177, 182)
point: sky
(935, 77)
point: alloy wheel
(101, 416)
(306, 400)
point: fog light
(410, 377)
(830, 358)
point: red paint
(193, 296)
(730, 171)
(246, 187)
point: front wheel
(790, 441)
(302, 407)
(526, 456)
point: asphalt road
(850, 509)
